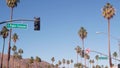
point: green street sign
(23, 26)
(103, 58)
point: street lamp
(118, 39)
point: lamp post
(118, 39)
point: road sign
(103, 58)
(23, 26)
(87, 50)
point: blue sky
(60, 22)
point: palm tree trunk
(85, 63)
(84, 52)
(109, 51)
(77, 58)
(9, 44)
(13, 62)
(90, 65)
(2, 52)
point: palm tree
(83, 34)
(71, 61)
(15, 37)
(108, 13)
(106, 66)
(97, 57)
(63, 61)
(20, 52)
(93, 63)
(52, 59)
(38, 60)
(11, 4)
(56, 65)
(90, 61)
(68, 62)
(31, 60)
(87, 57)
(4, 32)
(78, 50)
(59, 63)
(14, 48)
(115, 55)
(15, 57)
(102, 66)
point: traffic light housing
(83, 53)
(118, 65)
(37, 24)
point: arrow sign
(23, 26)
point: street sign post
(22, 26)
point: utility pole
(119, 48)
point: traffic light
(37, 24)
(82, 53)
(118, 65)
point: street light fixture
(118, 39)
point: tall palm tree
(68, 62)
(14, 48)
(71, 61)
(15, 38)
(11, 4)
(15, 57)
(4, 32)
(106, 66)
(78, 50)
(115, 55)
(59, 63)
(38, 60)
(20, 52)
(108, 13)
(97, 57)
(52, 59)
(31, 60)
(56, 65)
(83, 34)
(90, 61)
(63, 61)
(93, 63)
(87, 57)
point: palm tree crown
(108, 11)
(82, 33)
(115, 54)
(4, 32)
(15, 37)
(20, 51)
(78, 49)
(12, 3)
(14, 48)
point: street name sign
(103, 58)
(11, 25)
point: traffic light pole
(16, 20)
(37, 20)
(104, 55)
